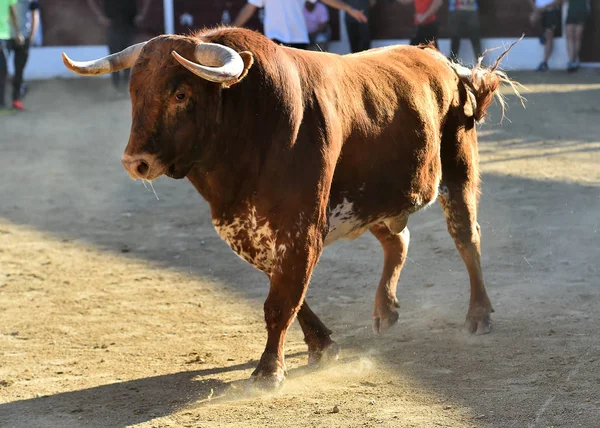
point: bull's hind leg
(317, 336)
(459, 198)
(395, 248)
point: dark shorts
(424, 34)
(579, 11)
(551, 20)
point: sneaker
(18, 105)
(542, 67)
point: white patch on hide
(250, 237)
(343, 223)
(282, 249)
(406, 236)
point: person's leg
(474, 33)
(578, 36)
(21, 54)
(126, 39)
(365, 37)
(353, 34)
(431, 33)
(549, 34)
(548, 25)
(113, 47)
(425, 34)
(415, 40)
(3, 74)
(570, 33)
(454, 30)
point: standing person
(121, 17)
(463, 22)
(547, 13)
(8, 20)
(27, 16)
(577, 15)
(316, 17)
(426, 24)
(359, 33)
(284, 19)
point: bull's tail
(483, 84)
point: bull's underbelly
(349, 220)
(254, 239)
(345, 222)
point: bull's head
(176, 101)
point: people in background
(426, 25)
(316, 16)
(284, 20)
(27, 16)
(359, 34)
(463, 22)
(547, 14)
(14, 37)
(577, 15)
(121, 18)
(6, 21)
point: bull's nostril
(143, 168)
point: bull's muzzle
(142, 166)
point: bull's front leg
(290, 275)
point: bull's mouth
(177, 171)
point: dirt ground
(118, 309)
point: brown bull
(294, 150)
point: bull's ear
(248, 59)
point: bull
(294, 150)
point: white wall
(46, 62)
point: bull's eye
(180, 97)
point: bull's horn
(109, 64)
(215, 63)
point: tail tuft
(484, 84)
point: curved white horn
(115, 62)
(215, 63)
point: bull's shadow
(132, 402)
(114, 405)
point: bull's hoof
(324, 356)
(479, 321)
(269, 374)
(383, 322)
(267, 381)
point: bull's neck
(226, 186)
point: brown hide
(375, 118)
(308, 147)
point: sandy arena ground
(120, 310)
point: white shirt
(284, 20)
